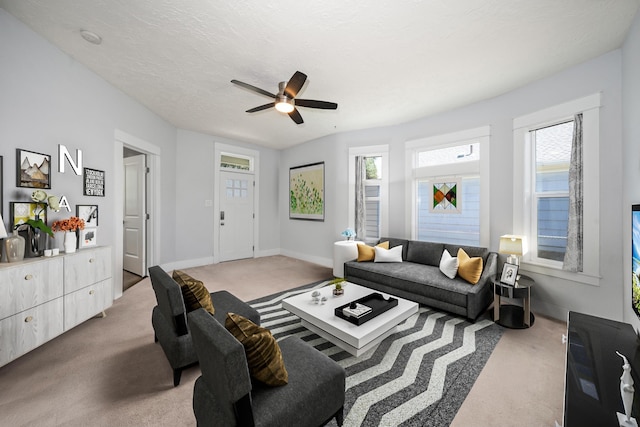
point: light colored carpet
(109, 372)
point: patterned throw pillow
(194, 293)
(368, 253)
(470, 269)
(264, 357)
(448, 264)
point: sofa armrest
(490, 270)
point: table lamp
(513, 245)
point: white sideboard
(41, 298)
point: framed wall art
(89, 213)
(93, 182)
(33, 170)
(88, 237)
(21, 212)
(306, 192)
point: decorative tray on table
(365, 308)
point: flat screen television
(635, 258)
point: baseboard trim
(186, 263)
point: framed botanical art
(89, 213)
(21, 212)
(93, 182)
(306, 192)
(33, 170)
(88, 237)
(509, 274)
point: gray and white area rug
(418, 376)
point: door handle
(221, 215)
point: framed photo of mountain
(33, 169)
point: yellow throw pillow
(194, 293)
(470, 269)
(264, 357)
(367, 253)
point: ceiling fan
(285, 101)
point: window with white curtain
(542, 152)
(376, 184)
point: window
(446, 188)
(376, 185)
(552, 154)
(542, 153)
(236, 162)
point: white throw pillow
(388, 255)
(448, 264)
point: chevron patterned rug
(418, 376)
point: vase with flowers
(35, 230)
(69, 226)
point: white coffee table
(321, 318)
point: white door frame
(152, 153)
(225, 148)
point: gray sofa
(418, 278)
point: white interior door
(134, 239)
(236, 216)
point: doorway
(236, 203)
(134, 213)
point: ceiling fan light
(284, 105)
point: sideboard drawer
(29, 284)
(86, 267)
(29, 329)
(86, 303)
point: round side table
(509, 315)
(343, 251)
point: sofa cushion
(472, 251)
(264, 357)
(470, 269)
(393, 242)
(426, 253)
(448, 264)
(388, 255)
(367, 253)
(194, 293)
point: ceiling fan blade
(296, 117)
(253, 88)
(311, 103)
(294, 84)
(261, 107)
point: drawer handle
(28, 319)
(91, 292)
(91, 260)
(28, 277)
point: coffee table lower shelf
(343, 345)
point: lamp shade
(3, 231)
(513, 245)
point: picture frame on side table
(33, 170)
(88, 237)
(89, 213)
(306, 192)
(509, 274)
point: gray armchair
(169, 319)
(225, 395)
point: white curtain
(361, 211)
(574, 254)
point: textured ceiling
(383, 62)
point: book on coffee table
(359, 310)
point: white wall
(631, 156)
(195, 184)
(551, 296)
(49, 99)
